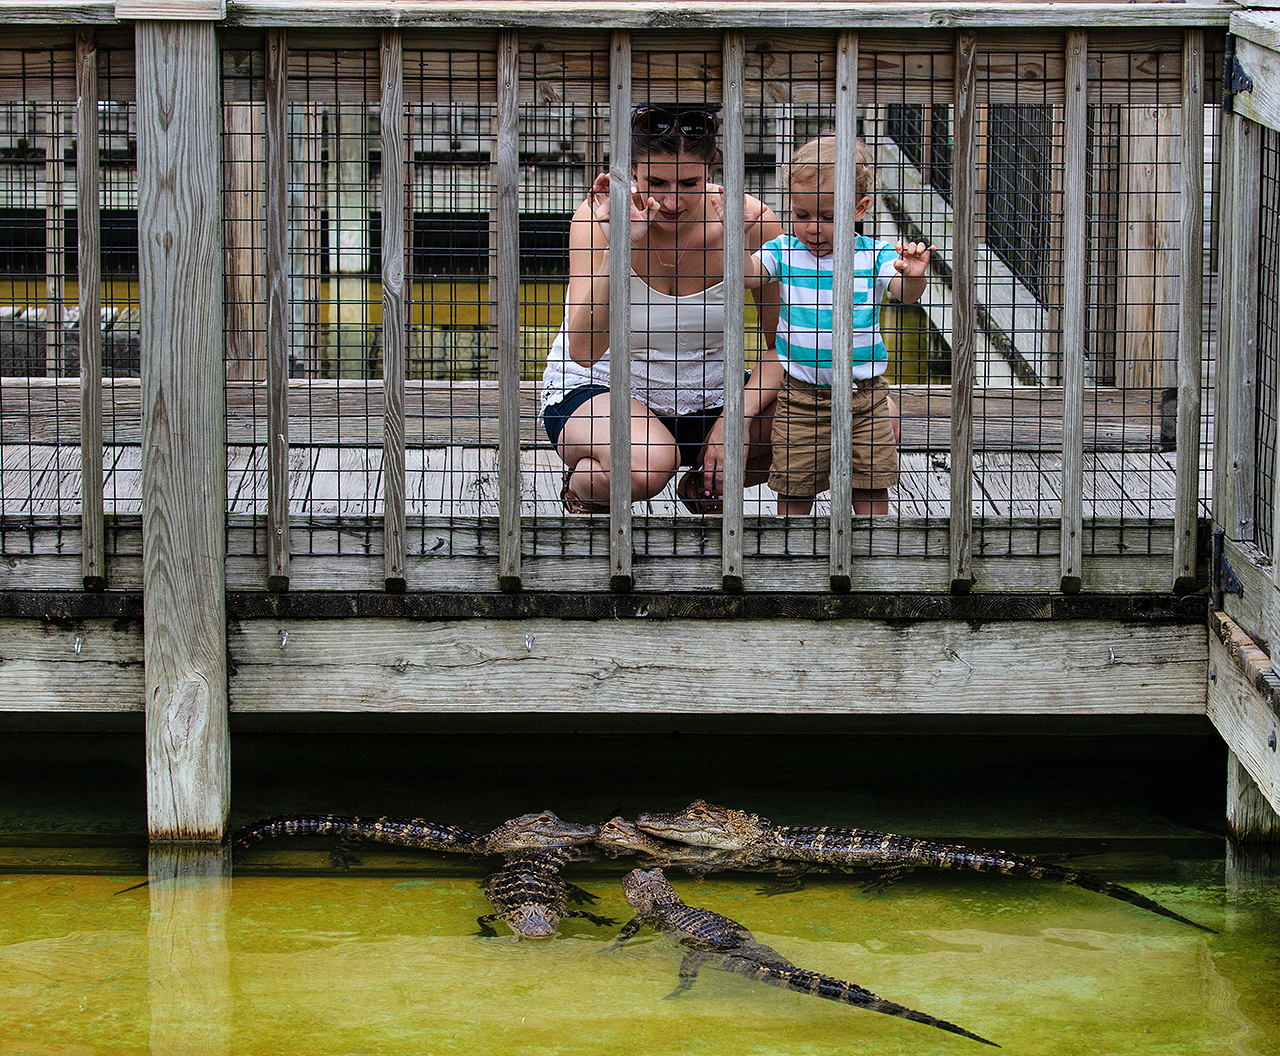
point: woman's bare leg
(584, 447)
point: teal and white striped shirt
(804, 328)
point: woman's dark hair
(671, 129)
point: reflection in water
(189, 969)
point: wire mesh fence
(336, 222)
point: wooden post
(964, 318)
(507, 149)
(734, 60)
(842, 301)
(1236, 432)
(1190, 322)
(619, 311)
(1250, 818)
(1222, 504)
(279, 309)
(93, 570)
(184, 472)
(55, 240)
(1074, 216)
(394, 322)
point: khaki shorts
(802, 439)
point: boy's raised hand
(913, 258)
(641, 212)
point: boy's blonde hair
(816, 162)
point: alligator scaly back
(706, 825)
(402, 832)
(531, 897)
(709, 937)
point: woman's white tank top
(677, 353)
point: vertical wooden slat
(842, 294)
(1222, 503)
(507, 149)
(619, 310)
(89, 278)
(734, 57)
(1186, 511)
(1238, 431)
(55, 240)
(394, 322)
(279, 308)
(964, 318)
(184, 458)
(1074, 245)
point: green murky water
(287, 956)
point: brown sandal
(689, 489)
(573, 504)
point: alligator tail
(1089, 882)
(805, 982)
(403, 832)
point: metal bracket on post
(1224, 578)
(1235, 79)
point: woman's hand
(641, 211)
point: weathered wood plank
(89, 273)
(183, 432)
(619, 310)
(845, 202)
(1250, 818)
(734, 177)
(1246, 718)
(1072, 667)
(1262, 102)
(507, 150)
(1075, 209)
(71, 665)
(394, 310)
(1191, 311)
(964, 320)
(279, 307)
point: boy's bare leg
(789, 507)
(868, 500)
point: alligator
(535, 832)
(709, 937)
(704, 825)
(530, 895)
(403, 832)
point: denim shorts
(690, 430)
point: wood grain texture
(507, 150)
(1074, 276)
(619, 310)
(1250, 818)
(1244, 718)
(1191, 309)
(279, 307)
(395, 332)
(734, 146)
(1262, 103)
(183, 436)
(71, 665)
(964, 324)
(89, 275)
(844, 238)
(640, 665)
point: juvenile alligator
(402, 832)
(535, 832)
(705, 825)
(709, 937)
(530, 895)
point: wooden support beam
(964, 318)
(93, 571)
(1250, 818)
(735, 316)
(394, 312)
(1190, 315)
(279, 308)
(184, 476)
(1222, 504)
(507, 151)
(842, 301)
(619, 310)
(1075, 208)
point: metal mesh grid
(1268, 386)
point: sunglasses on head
(657, 121)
